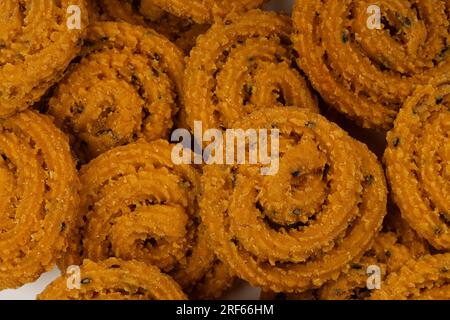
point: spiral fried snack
(38, 197)
(115, 279)
(36, 46)
(297, 229)
(367, 72)
(183, 32)
(205, 11)
(138, 205)
(418, 164)
(426, 278)
(240, 65)
(125, 88)
(393, 248)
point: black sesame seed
(296, 174)
(396, 142)
(115, 266)
(297, 212)
(439, 100)
(345, 36)
(369, 179)
(437, 231)
(356, 266)
(104, 38)
(387, 253)
(310, 124)
(228, 22)
(86, 281)
(407, 22)
(63, 227)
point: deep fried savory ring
(36, 46)
(417, 159)
(364, 72)
(426, 278)
(205, 11)
(137, 205)
(183, 32)
(125, 88)
(115, 279)
(297, 229)
(242, 64)
(393, 247)
(38, 197)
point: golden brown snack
(183, 32)
(393, 247)
(115, 279)
(137, 205)
(297, 229)
(367, 73)
(417, 159)
(240, 65)
(126, 87)
(205, 11)
(38, 197)
(36, 46)
(426, 278)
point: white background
(241, 291)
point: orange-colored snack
(205, 11)
(365, 72)
(297, 229)
(425, 278)
(240, 65)
(183, 32)
(36, 46)
(38, 197)
(126, 87)
(137, 205)
(115, 279)
(417, 160)
(393, 247)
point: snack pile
(358, 94)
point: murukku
(115, 279)
(36, 46)
(126, 87)
(240, 65)
(365, 70)
(396, 245)
(425, 278)
(183, 32)
(206, 11)
(38, 197)
(137, 205)
(417, 160)
(297, 229)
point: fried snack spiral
(426, 278)
(297, 229)
(115, 279)
(125, 88)
(240, 65)
(205, 11)
(417, 160)
(396, 245)
(137, 205)
(183, 32)
(364, 72)
(36, 46)
(38, 197)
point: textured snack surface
(417, 160)
(126, 87)
(115, 279)
(38, 197)
(295, 230)
(138, 205)
(36, 46)
(367, 72)
(240, 65)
